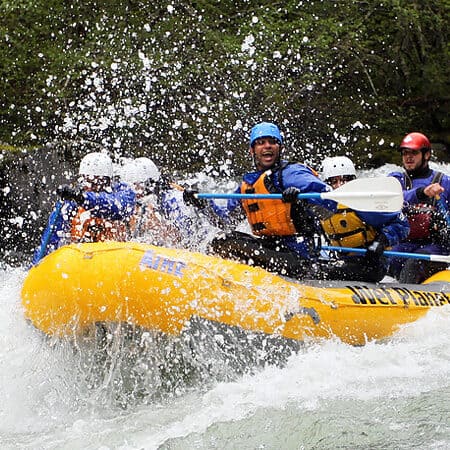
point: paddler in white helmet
(160, 216)
(373, 231)
(94, 209)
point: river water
(328, 395)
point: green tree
(186, 80)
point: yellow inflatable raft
(164, 289)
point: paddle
(382, 194)
(49, 232)
(435, 258)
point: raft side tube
(162, 289)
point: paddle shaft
(324, 195)
(435, 258)
(383, 194)
(254, 196)
(355, 200)
(49, 231)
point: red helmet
(416, 141)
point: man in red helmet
(427, 205)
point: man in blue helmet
(283, 231)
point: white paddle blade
(440, 258)
(381, 194)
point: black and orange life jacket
(346, 229)
(87, 228)
(269, 217)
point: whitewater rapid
(329, 394)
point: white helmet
(337, 166)
(149, 169)
(139, 170)
(96, 164)
(130, 173)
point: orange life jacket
(346, 229)
(87, 228)
(267, 217)
(144, 219)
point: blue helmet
(265, 129)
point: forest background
(184, 81)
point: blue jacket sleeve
(443, 203)
(174, 209)
(224, 211)
(445, 196)
(303, 178)
(116, 205)
(394, 226)
(409, 196)
(396, 230)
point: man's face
(338, 181)
(413, 159)
(266, 151)
(95, 183)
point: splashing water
(390, 395)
